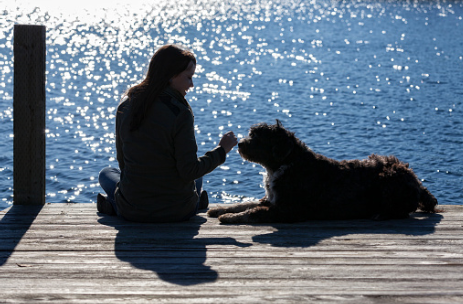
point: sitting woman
(160, 176)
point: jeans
(110, 176)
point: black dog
(302, 185)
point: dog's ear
(281, 151)
(279, 124)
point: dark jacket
(159, 161)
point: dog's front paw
(234, 218)
(216, 211)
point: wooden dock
(68, 253)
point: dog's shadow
(311, 233)
(170, 250)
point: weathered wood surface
(67, 253)
(29, 114)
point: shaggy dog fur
(302, 185)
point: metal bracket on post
(29, 115)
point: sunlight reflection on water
(351, 78)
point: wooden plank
(68, 253)
(29, 115)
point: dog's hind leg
(428, 202)
(399, 197)
(235, 208)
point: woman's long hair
(168, 61)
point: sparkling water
(351, 78)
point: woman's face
(184, 81)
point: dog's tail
(428, 202)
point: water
(351, 78)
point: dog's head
(267, 145)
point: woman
(156, 146)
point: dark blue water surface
(351, 78)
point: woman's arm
(119, 150)
(189, 165)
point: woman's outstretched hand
(228, 141)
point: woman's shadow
(170, 250)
